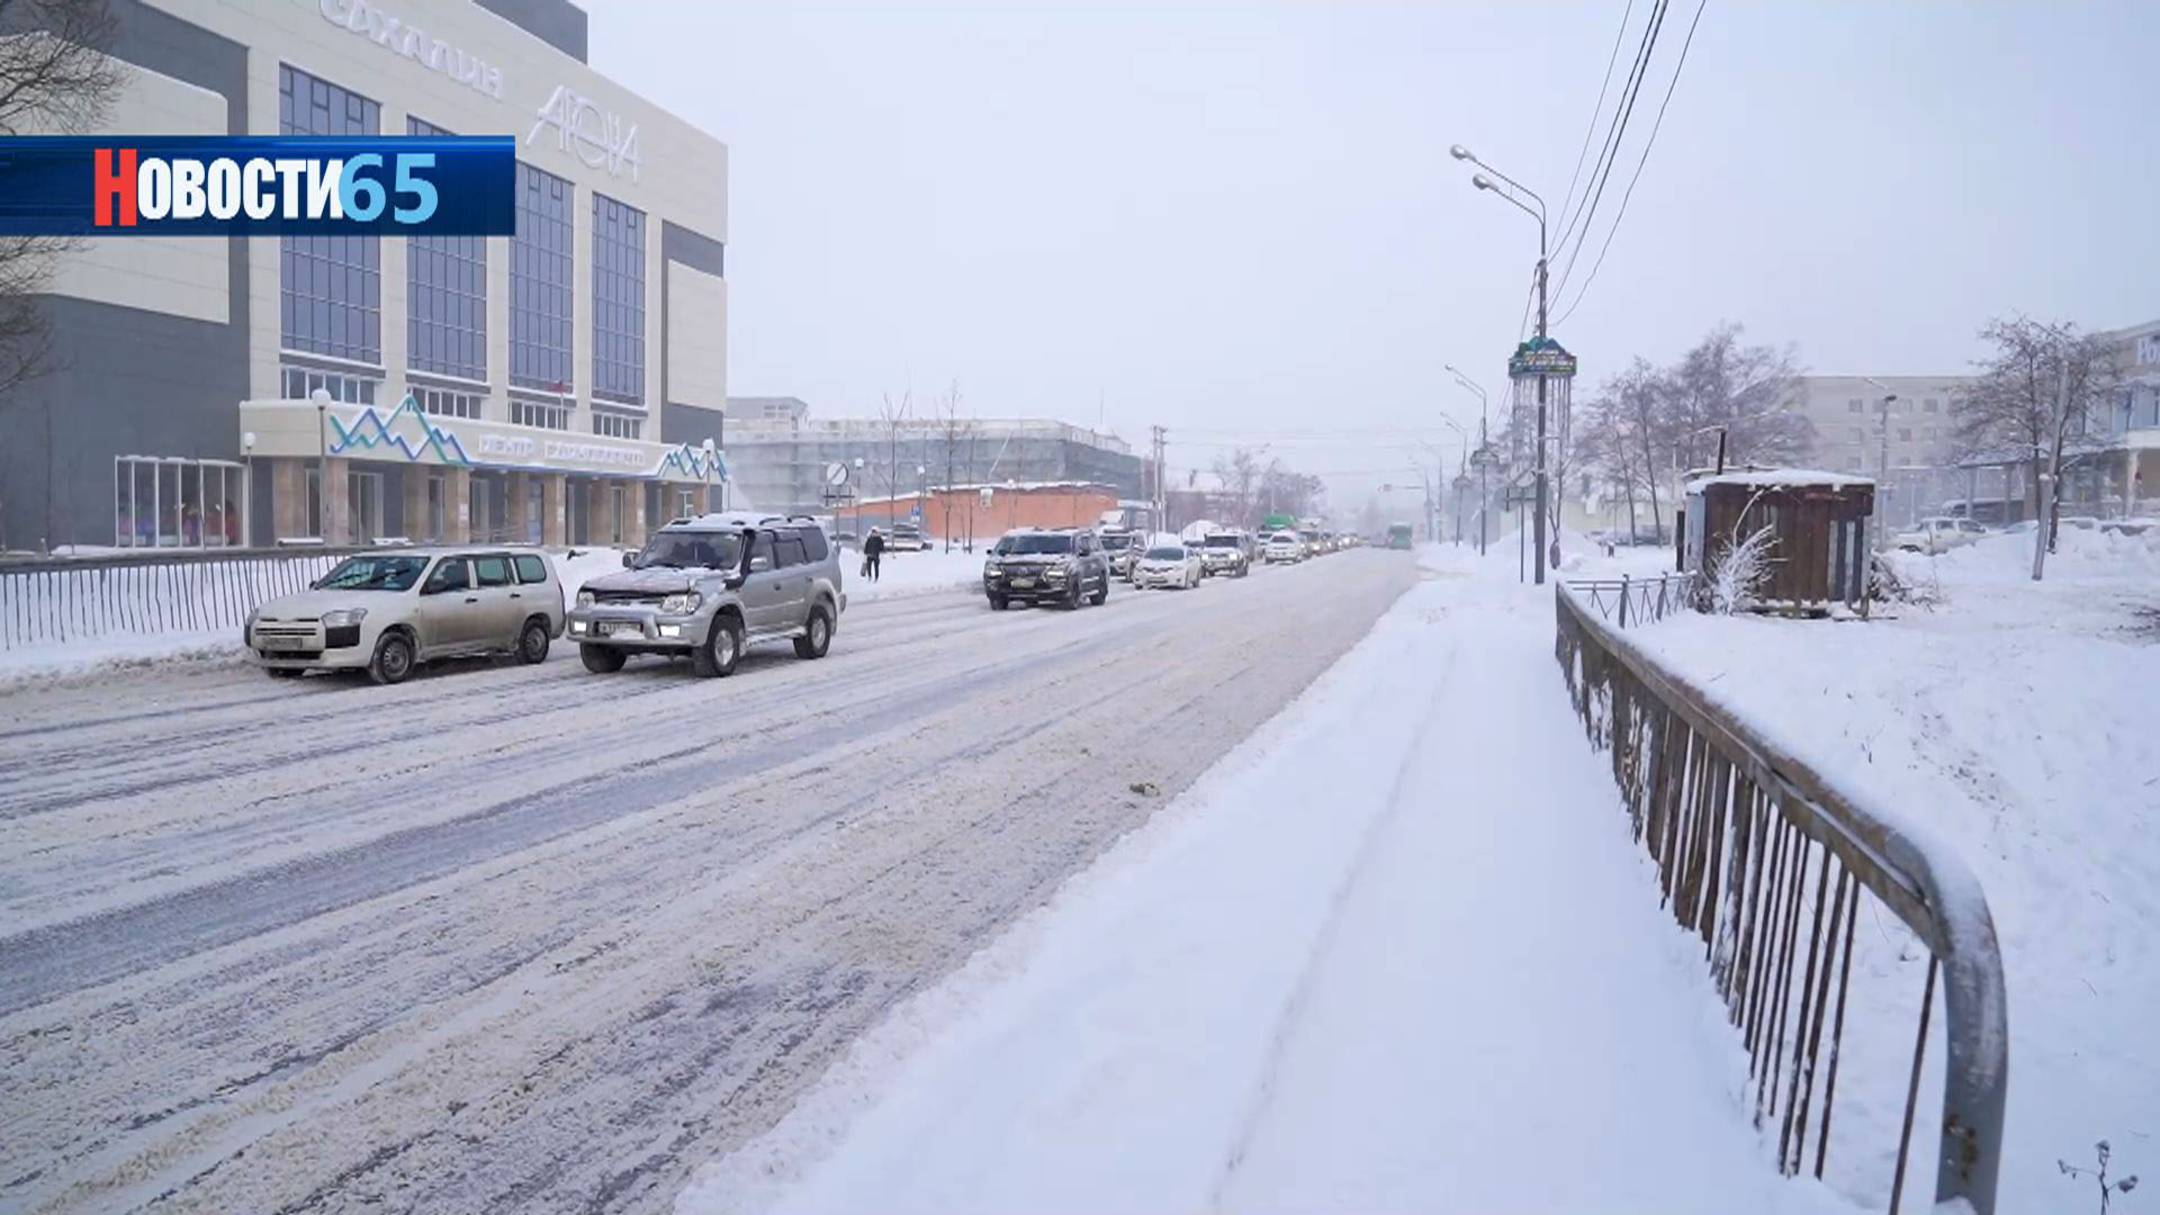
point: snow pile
(2080, 554)
(1332, 976)
(2016, 723)
(902, 575)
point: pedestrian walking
(873, 548)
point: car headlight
(585, 599)
(681, 605)
(343, 618)
(991, 566)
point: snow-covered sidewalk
(1396, 952)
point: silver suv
(704, 588)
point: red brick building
(984, 512)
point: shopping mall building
(565, 384)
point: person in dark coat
(873, 547)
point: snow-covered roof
(1777, 477)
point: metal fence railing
(1768, 862)
(55, 601)
(1629, 601)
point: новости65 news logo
(163, 185)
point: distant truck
(1398, 535)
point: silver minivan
(389, 611)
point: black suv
(1032, 565)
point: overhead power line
(1619, 36)
(1644, 159)
(1579, 227)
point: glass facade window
(618, 261)
(541, 304)
(617, 426)
(448, 402)
(300, 383)
(1854, 406)
(174, 502)
(445, 297)
(330, 293)
(540, 413)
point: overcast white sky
(1241, 221)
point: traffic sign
(836, 474)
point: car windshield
(1222, 541)
(1040, 542)
(1282, 538)
(1114, 543)
(373, 574)
(692, 550)
(1167, 552)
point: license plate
(623, 629)
(1023, 582)
(283, 643)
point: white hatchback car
(387, 612)
(1168, 565)
(1939, 535)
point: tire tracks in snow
(1375, 832)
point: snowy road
(535, 940)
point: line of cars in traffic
(702, 590)
(1074, 565)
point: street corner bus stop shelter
(1818, 525)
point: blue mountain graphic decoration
(371, 430)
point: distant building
(1908, 445)
(780, 456)
(971, 515)
(2128, 472)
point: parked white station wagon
(387, 612)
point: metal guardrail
(1749, 842)
(1637, 600)
(55, 601)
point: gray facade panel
(689, 424)
(124, 382)
(558, 23)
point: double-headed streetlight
(1482, 457)
(1483, 182)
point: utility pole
(1160, 503)
(1541, 404)
(1882, 476)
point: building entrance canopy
(406, 435)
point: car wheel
(817, 634)
(998, 603)
(533, 642)
(721, 650)
(1102, 593)
(393, 659)
(1073, 598)
(600, 659)
(282, 672)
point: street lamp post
(1483, 457)
(1482, 182)
(1882, 476)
